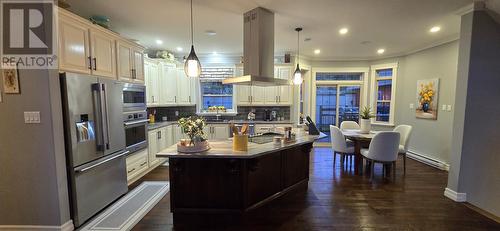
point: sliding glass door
(334, 104)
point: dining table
(360, 140)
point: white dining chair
(340, 145)
(345, 125)
(383, 149)
(405, 132)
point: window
(329, 76)
(383, 89)
(213, 92)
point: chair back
(338, 140)
(405, 132)
(384, 146)
(349, 125)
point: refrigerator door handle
(96, 90)
(85, 168)
(106, 111)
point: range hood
(258, 50)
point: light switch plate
(411, 106)
(31, 117)
(443, 107)
(448, 107)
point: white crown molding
(455, 196)
(68, 226)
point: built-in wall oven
(135, 117)
(136, 130)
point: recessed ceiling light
(317, 51)
(214, 53)
(210, 32)
(380, 51)
(343, 30)
(435, 29)
(159, 42)
(179, 49)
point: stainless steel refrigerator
(95, 143)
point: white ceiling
(398, 26)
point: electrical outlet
(448, 108)
(443, 107)
(31, 117)
(176, 113)
(411, 106)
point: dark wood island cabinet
(226, 182)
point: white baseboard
(428, 160)
(68, 226)
(455, 196)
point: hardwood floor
(340, 200)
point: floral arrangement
(426, 93)
(193, 127)
(366, 113)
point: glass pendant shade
(192, 66)
(297, 76)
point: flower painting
(427, 98)
(10, 81)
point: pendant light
(297, 75)
(192, 66)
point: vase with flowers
(426, 95)
(365, 119)
(192, 127)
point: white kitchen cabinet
(184, 88)
(91, 49)
(158, 140)
(217, 131)
(284, 93)
(137, 165)
(74, 44)
(138, 64)
(168, 84)
(103, 53)
(243, 95)
(124, 53)
(130, 62)
(152, 78)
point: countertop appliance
(95, 143)
(267, 115)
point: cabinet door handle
(95, 64)
(153, 98)
(90, 62)
(279, 98)
(133, 74)
(276, 98)
(190, 99)
(131, 170)
(175, 99)
(144, 164)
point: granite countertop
(224, 148)
(156, 125)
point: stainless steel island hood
(258, 50)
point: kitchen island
(222, 182)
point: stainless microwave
(134, 97)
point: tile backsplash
(170, 112)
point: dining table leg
(357, 158)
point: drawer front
(136, 164)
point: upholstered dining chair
(383, 149)
(340, 145)
(349, 125)
(405, 132)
